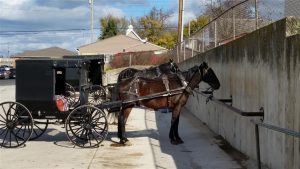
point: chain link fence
(237, 21)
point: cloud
(36, 15)
(192, 9)
(70, 14)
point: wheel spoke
(37, 126)
(24, 131)
(16, 139)
(97, 120)
(100, 128)
(35, 132)
(4, 137)
(3, 127)
(97, 132)
(82, 133)
(88, 137)
(96, 138)
(10, 138)
(2, 117)
(4, 111)
(18, 130)
(78, 131)
(3, 131)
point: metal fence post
(257, 146)
(183, 50)
(177, 53)
(203, 43)
(256, 14)
(233, 22)
(192, 47)
(215, 33)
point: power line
(66, 30)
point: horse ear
(204, 64)
(171, 60)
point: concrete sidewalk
(148, 133)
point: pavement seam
(92, 158)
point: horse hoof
(180, 141)
(114, 123)
(173, 142)
(124, 141)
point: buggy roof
(67, 61)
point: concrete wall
(261, 69)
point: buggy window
(60, 80)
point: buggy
(44, 88)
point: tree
(217, 7)
(168, 39)
(111, 26)
(153, 27)
(195, 25)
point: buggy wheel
(39, 128)
(70, 94)
(97, 95)
(16, 124)
(86, 126)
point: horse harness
(134, 88)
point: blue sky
(19, 17)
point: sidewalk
(148, 133)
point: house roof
(130, 42)
(53, 52)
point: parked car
(12, 73)
(4, 74)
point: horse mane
(152, 72)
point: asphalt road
(150, 147)
(6, 82)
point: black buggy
(56, 89)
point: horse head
(169, 67)
(209, 76)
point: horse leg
(178, 139)
(174, 125)
(121, 125)
(126, 114)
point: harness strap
(166, 82)
(182, 79)
(158, 71)
(130, 93)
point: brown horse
(150, 73)
(161, 93)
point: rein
(171, 92)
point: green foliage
(168, 40)
(153, 26)
(111, 26)
(195, 25)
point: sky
(37, 24)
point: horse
(157, 94)
(152, 72)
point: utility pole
(180, 21)
(91, 2)
(8, 49)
